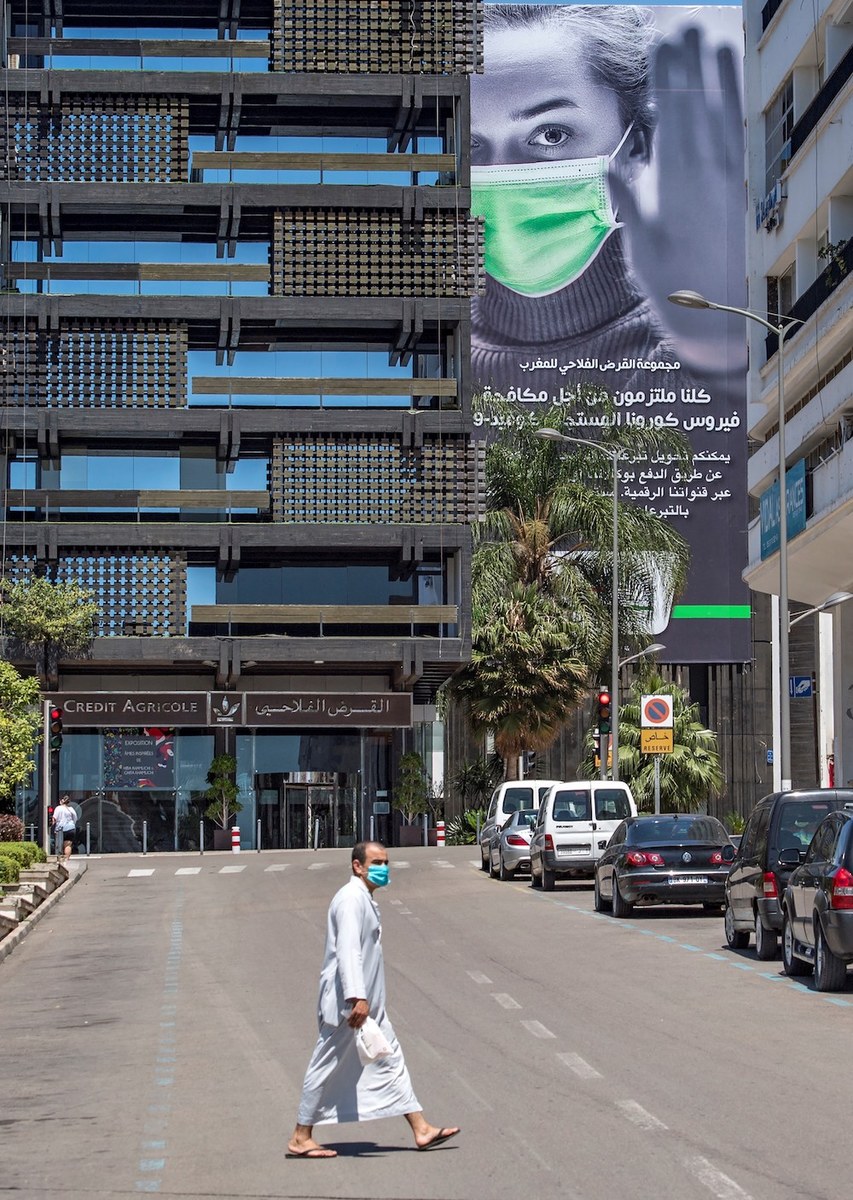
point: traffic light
(604, 713)
(55, 727)
(529, 763)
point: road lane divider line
(138, 872)
(404, 912)
(478, 977)
(579, 1066)
(639, 1116)
(537, 1029)
(235, 869)
(504, 1000)
(188, 871)
(722, 1186)
(276, 867)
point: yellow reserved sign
(656, 741)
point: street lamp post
(613, 453)
(695, 300)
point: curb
(8, 944)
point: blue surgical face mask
(378, 874)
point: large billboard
(608, 168)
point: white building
(799, 107)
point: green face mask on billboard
(545, 221)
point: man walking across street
(337, 1087)
(64, 826)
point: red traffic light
(55, 727)
(604, 700)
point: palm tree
(689, 776)
(524, 677)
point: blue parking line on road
(152, 1164)
(739, 966)
(663, 937)
(686, 946)
(717, 957)
(837, 1000)
(148, 1185)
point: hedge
(25, 853)
(9, 868)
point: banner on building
(608, 167)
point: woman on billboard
(563, 123)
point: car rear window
(798, 820)
(517, 798)
(658, 830)
(571, 804)
(611, 804)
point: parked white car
(574, 826)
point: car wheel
(766, 943)
(830, 972)
(598, 901)
(621, 907)
(736, 939)
(503, 872)
(484, 860)
(493, 871)
(793, 965)
(535, 880)
(549, 879)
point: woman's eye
(551, 136)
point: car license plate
(569, 850)
(694, 879)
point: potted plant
(222, 794)
(411, 797)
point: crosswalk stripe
(135, 874)
(276, 867)
(188, 871)
(234, 870)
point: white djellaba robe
(337, 1087)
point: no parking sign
(656, 712)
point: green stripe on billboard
(711, 612)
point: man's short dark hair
(359, 851)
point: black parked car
(757, 880)
(672, 858)
(817, 907)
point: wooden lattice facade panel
(108, 364)
(139, 593)
(387, 37)
(375, 479)
(375, 252)
(95, 139)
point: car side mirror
(789, 857)
(729, 854)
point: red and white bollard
(235, 839)
(439, 833)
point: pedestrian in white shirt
(338, 1086)
(64, 828)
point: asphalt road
(155, 1027)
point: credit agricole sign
(353, 710)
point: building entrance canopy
(348, 710)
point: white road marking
(478, 976)
(318, 866)
(401, 866)
(504, 1000)
(232, 870)
(396, 901)
(438, 862)
(188, 871)
(639, 1115)
(538, 1029)
(405, 912)
(715, 1181)
(276, 867)
(579, 1065)
(137, 873)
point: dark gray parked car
(758, 878)
(817, 907)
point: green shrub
(25, 853)
(462, 831)
(10, 869)
(735, 822)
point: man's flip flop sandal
(443, 1135)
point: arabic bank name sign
(353, 710)
(770, 507)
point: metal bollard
(258, 836)
(478, 829)
(144, 837)
(32, 829)
(201, 837)
(88, 838)
(426, 830)
(317, 834)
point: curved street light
(689, 299)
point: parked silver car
(509, 847)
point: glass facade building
(237, 261)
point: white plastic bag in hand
(371, 1042)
